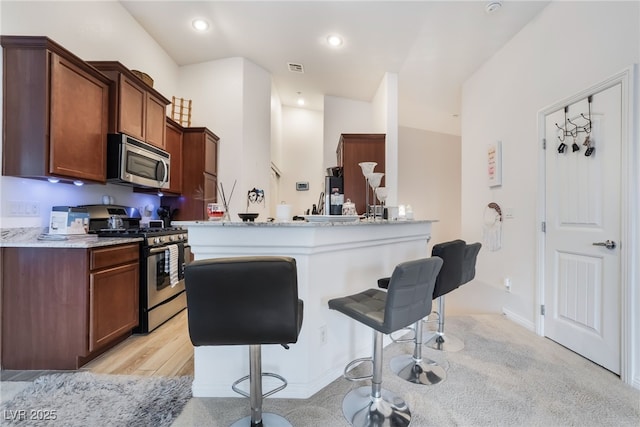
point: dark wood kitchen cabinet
(62, 307)
(136, 109)
(55, 112)
(173, 145)
(174, 142)
(354, 148)
(199, 174)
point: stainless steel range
(164, 252)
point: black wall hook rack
(573, 132)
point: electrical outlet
(323, 334)
(23, 208)
(507, 284)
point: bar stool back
(245, 301)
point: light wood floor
(167, 351)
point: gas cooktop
(137, 232)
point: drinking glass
(381, 193)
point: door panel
(582, 281)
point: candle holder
(367, 168)
(381, 193)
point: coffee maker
(334, 192)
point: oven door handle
(157, 250)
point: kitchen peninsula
(333, 259)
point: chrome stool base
(424, 372)
(445, 343)
(363, 410)
(268, 420)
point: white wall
(232, 97)
(501, 101)
(342, 115)
(569, 47)
(256, 129)
(385, 120)
(92, 31)
(429, 179)
(302, 158)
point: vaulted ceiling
(433, 46)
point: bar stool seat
(246, 301)
(407, 300)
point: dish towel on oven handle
(171, 255)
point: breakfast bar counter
(333, 259)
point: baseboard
(519, 320)
(636, 383)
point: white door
(582, 280)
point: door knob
(609, 244)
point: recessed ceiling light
(334, 40)
(200, 25)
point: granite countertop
(28, 238)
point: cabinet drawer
(114, 255)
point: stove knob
(156, 240)
(172, 238)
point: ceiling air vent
(295, 68)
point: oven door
(159, 288)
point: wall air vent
(295, 68)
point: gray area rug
(505, 376)
(84, 399)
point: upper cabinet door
(56, 112)
(211, 155)
(132, 104)
(173, 140)
(137, 109)
(155, 124)
(78, 125)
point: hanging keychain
(590, 148)
(575, 147)
(562, 147)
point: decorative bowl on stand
(248, 217)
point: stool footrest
(402, 340)
(354, 362)
(264, 374)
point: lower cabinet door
(113, 308)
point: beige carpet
(505, 376)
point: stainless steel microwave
(133, 162)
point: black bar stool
(458, 268)
(245, 301)
(407, 300)
(413, 367)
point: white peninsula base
(333, 260)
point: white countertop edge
(296, 223)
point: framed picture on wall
(494, 164)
